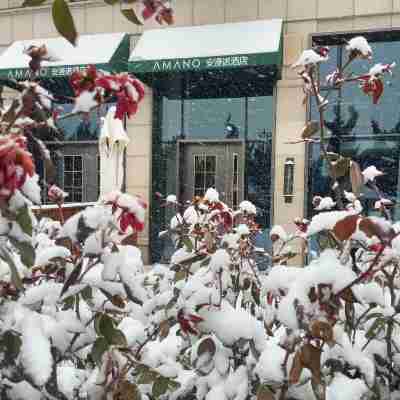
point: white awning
(108, 51)
(208, 47)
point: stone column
(138, 161)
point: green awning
(109, 51)
(208, 47)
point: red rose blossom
(15, 164)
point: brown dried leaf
(348, 296)
(310, 357)
(126, 391)
(342, 167)
(322, 330)
(164, 329)
(296, 370)
(118, 301)
(344, 228)
(371, 228)
(11, 114)
(356, 178)
(207, 346)
(311, 128)
(264, 393)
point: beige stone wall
(302, 18)
(138, 160)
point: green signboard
(22, 74)
(204, 63)
(117, 63)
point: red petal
(195, 318)
(377, 91)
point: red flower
(270, 298)
(188, 322)
(128, 219)
(82, 81)
(129, 92)
(37, 55)
(131, 210)
(161, 11)
(376, 248)
(15, 164)
(56, 194)
(372, 86)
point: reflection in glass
(356, 128)
(214, 118)
(81, 127)
(211, 118)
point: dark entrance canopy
(208, 47)
(109, 51)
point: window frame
(330, 39)
(73, 186)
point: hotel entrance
(210, 163)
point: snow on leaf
(35, 351)
(370, 173)
(48, 254)
(85, 102)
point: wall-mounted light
(288, 180)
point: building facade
(236, 122)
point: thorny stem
(61, 213)
(324, 151)
(364, 274)
(149, 338)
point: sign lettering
(48, 72)
(190, 64)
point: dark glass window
(214, 118)
(235, 110)
(73, 144)
(357, 128)
(73, 177)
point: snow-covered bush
(82, 318)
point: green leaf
(160, 387)
(106, 327)
(69, 303)
(130, 295)
(100, 346)
(23, 219)
(32, 3)
(180, 275)
(342, 166)
(15, 278)
(375, 328)
(96, 323)
(83, 231)
(64, 21)
(72, 278)
(87, 293)
(12, 345)
(173, 384)
(131, 16)
(373, 315)
(26, 251)
(187, 243)
(206, 262)
(118, 338)
(147, 377)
